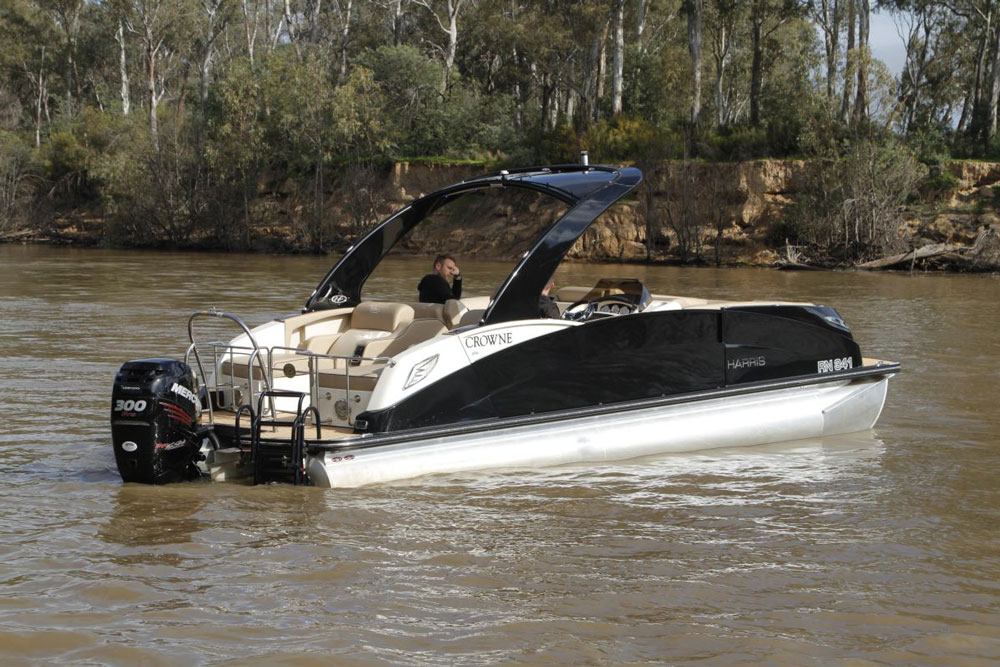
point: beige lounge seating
(333, 374)
(370, 321)
(434, 311)
(453, 311)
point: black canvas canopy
(589, 191)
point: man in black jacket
(546, 304)
(445, 283)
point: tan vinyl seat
(361, 378)
(413, 333)
(364, 376)
(453, 311)
(422, 311)
(472, 317)
(370, 321)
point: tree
(828, 15)
(618, 59)
(66, 15)
(722, 29)
(766, 16)
(694, 10)
(151, 20)
(445, 14)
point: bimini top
(588, 190)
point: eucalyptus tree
(724, 34)
(766, 16)
(445, 14)
(695, 10)
(66, 15)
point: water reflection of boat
(351, 392)
(144, 519)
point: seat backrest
(453, 311)
(415, 332)
(371, 320)
(380, 316)
(470, 317)
(422, 311)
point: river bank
(724, 214)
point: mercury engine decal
(184, 392)
(129, 408)
(176, 412)
(170, 445)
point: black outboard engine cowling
(154, 421)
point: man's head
(444, 266)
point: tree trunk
(618, 61)
(345, 31)
(721, 58)
(452, 48)
(602, 70)
(569, 107)
(756, 67)
(151, 84)
(41, 97)
(397, 22)
(862, 57)
(994, 87)
(250, 28)
(640, 21)
(317, 7)
(290, 28)
(588, 103)
(829, 19)
(845, 103)
(123, 69)
(695, 11)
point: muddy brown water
(879, 546)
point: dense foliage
(182, 119)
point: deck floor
(326, 431)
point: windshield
(630, 290)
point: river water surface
(880, 546)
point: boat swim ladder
(279, 459)
(254, 356)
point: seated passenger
(546, 304)
(445, 283)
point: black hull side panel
(626, 359)
(604, 361)
(773, 342)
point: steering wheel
(605, 306)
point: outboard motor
(154, 421)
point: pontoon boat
(354, 391)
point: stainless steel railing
(255, 354)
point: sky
(885, 42)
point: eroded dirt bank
(726, 213)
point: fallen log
(926, 252)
